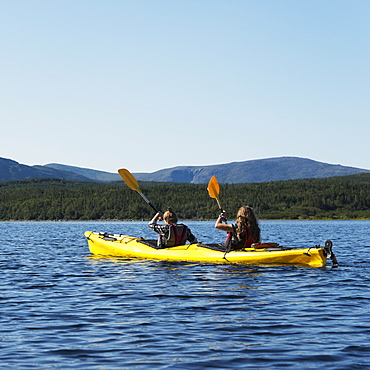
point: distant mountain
(12, 170)
(259, 170)
(95, 175)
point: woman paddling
(244, 232)
(171, 233)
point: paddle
(214, 191)
(131, 182)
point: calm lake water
(61, 308)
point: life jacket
(177, 235)
(233, 243)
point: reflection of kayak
(127, 246)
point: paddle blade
(213, 188)
(129, 179)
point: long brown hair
(245, 219)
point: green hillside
(346, 197)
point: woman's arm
(157, 216)
(223, 226)
(191, 238)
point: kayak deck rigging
(213, 246)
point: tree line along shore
(344, 197)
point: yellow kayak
(128, 246)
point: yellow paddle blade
(131, 182)
(213, 188)
(129, 179)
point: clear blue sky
(152, 84)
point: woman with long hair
(244, 232)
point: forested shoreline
(345, 197)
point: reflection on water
(63, 308)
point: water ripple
(63, 308)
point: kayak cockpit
(220, 247)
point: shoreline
(192, 220)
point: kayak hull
(131, 247)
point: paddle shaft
(131, 182)
(148, 201)
(221, 209)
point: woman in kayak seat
(171, 233)
(243, 233)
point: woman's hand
(222, 216)
(221, 223)
(158, 216)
